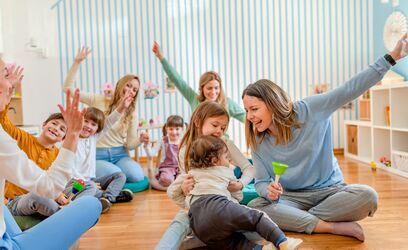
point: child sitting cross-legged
(215, 215)
(107, 188)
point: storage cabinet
(386, 134)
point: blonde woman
(112, 149)
(312, 196)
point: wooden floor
(140, 224)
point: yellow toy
(373, 165)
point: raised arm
(174, 76)
(323, 105)
(74, 118)
(124, 103)
(15, 77)
(235, 110)
(81, 55)
(17, 168)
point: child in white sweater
(107, 188)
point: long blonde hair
(127, 117)
(279, 105)
(204, 79)
(204, 110)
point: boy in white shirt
(107, 188)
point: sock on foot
(352, 229)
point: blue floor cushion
(137, 186)
(249, 194)
(249, 190)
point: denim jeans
(59, 231)
(116, 159)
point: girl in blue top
(312, 196)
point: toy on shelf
(151, 123)
(373, 165)
(77, 186)
(387, 115)
(279, 169)
(154, 121)
(107, 90)
(151, 91)
(384, 160)
(142, 123)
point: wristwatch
(390, 59)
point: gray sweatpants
(300, 211)
(31, 203)
(112, 184)
(216, 221)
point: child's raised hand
(156, 50)
(73, 117)
(82, 54)
(187, 185)
(274, 191)
(235, 186)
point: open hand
(15, 75)
(82, 54)
(73, 117)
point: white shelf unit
(386, 134)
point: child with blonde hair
(112, 148)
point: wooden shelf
(386, 135)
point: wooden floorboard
(140, 223)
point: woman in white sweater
(112, 148)
(61, 230)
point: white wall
(22, 20)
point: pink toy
(107, 89)
(384, 160)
